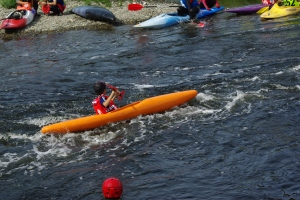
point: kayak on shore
(95, 13)
(170, 19)
(280, 11)
(245, 10)
(163, 21)
(19, 18)
(147, 106)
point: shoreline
(45, 24)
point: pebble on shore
(44, 24)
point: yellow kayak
(145, 107)
(280, 11)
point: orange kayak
(145, 107)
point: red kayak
(19, 18)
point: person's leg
(55, 9)
(182, 11)
(36, 7)
(194, 12)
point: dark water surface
(238, 139)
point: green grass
(107, 3)
(8, 4)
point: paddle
(116, 90)
(135, 6)
(262, 10)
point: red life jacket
(100, 109)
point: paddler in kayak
(103, 103)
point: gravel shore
(68, 21)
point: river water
(238, 139)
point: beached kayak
(245, 10)
(280, 11)
(170, 19)
(19, 18)
(95, 13)
(145, 107)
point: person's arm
(49, 3)
(217, 4)
(204, 3)
(111, 97)
(20, 2)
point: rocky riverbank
(68, 21)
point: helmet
(112, 188)
(46, 9)
(17, 15)
(99, 87)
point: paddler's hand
(113, 95)
(118, 92)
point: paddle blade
(262, 10)
(116, 90)
(121, 95)
(112, 87)
(135, 7)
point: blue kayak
(170, 19)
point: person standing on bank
(103, 103)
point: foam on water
(239, 97)
(296, 68)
